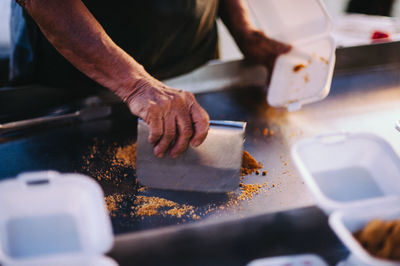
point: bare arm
(253, 43)
(77, 35)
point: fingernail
(158, 154)
(174, 155)
(196, 143)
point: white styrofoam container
(357, 177)
(48, 218)
(345, 170)
(292, 260)
(345, 223)
(306, 25)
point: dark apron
(168, 37)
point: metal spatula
(214, 166)
(85, 114)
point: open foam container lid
(306, 25)
(348, 170)
(48, 217)
(291, 21)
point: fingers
(185, 132)
(283, 48)
(189, 125)
(155, 122)
(174, 117)
(201, 123)
(168, 136)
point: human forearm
(77, 35)
(235, 15)
(254, 44)
(174, 117)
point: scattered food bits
(122, 158)
(306, 79)
(271, 132)
(148, 206)
(381, 238)
(142, 189)
(113, 203)
(265, 132)
(126, 156)
(249, 164)
(115, 157)
(323, 59)
(249, 190)
(298, 67)
(179, 211)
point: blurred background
(349, 29)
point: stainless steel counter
(360, 101)
(364, 101)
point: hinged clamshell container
(304, 74)
(48, 218)
(357, 177)
(346, 170)
(345, 223)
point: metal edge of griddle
(355, 59)
(138, 245)
(136, 237)
(220, 75)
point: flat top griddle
(364, 101)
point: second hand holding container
(304, 74)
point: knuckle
(203, 124)
(169, 134)
(187, 131)
(153, 107)
(181, 147)
(155, 134)
(189, 95)
(205, 118)
(179, 98)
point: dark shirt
(168, 37)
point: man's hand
(174, 117)
(254, 44)
(258, 48)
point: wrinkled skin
(260, 49)
(170, 114)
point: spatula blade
(214, 166)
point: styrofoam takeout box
(306, 25)
(345, 223)
(345, 170)
(48, 218)
(292, 260)
(354, 175)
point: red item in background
(379, 35)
